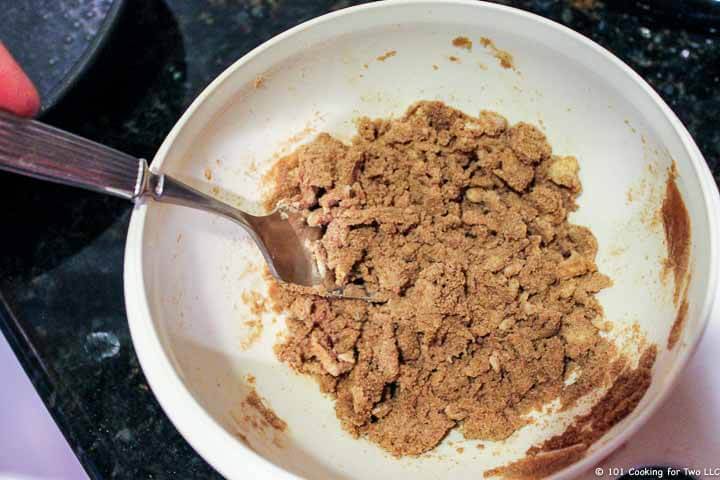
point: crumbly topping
(461, 223)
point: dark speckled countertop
(61, 268)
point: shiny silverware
(31, 148)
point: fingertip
(17, 92)
(31, 101)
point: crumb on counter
(585, 5)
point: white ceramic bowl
(186, 271)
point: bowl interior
(195, 268)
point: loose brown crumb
(435, 67)
(585, 5)
(461, 222)
(255, 301)
(259, 81)
(505, 58)
(676, 223)
(386, 55)
(255, 332)
(453, 58)
(254, 401)
(462, 42)
(250, 378)
(207, 173)
(460, 450)
(257, 305)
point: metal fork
(31, 148)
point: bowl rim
(191, 419)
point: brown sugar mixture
(461, 223)
(556, 453)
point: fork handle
(38, 150)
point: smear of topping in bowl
(676, 224)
